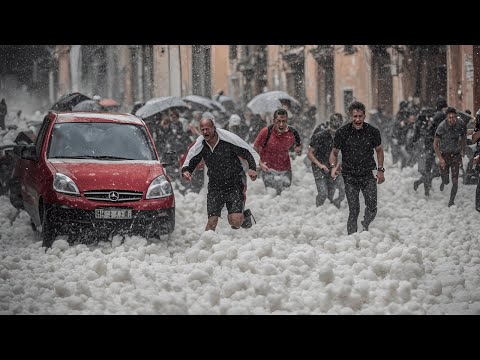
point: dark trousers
(279, 180)
(431, 170)
(353, 186)
(326, 187)
(452, 161)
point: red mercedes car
(93, 172)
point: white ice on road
(419, 257)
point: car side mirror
(26, 152)
(23, 138)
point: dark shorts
(233, 197)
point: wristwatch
(382, 169)
(332, 166)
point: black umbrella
(136, 106)
(227, 103)
(160, 104)
(68, 101)
(198, 102)
(88, 105)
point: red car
(93, 172)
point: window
(100, 141)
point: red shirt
(275, 153)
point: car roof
(93, 116)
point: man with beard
(221, 149)
(357, 140)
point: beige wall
(186, 69)
(125, 66)
(311, 71)
(174, 70)
(63, 56)
(161, 76)
(220, 68)
(274, 68)
(352, 72)
(467, 77)
(460, 76)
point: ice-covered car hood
(134, 175)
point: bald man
(221, 149)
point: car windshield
(110, 141)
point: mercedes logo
(113, 196)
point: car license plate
(113, 213)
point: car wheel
(48, 233)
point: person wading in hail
(357, 140)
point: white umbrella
(270, 101)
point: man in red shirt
(273, 144)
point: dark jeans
(279, 180)
(452, 161)
(431, 170)
(326, 187)
(368, 185)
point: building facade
(327, 76)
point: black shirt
(357, 148)
(224, 166)
(322, 144)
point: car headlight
(160, 187)
(63, 184)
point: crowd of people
(237, 142)
(342, 153)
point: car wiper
(102, 157)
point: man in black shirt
(357, 140)
(227, 180)
(321, 145)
